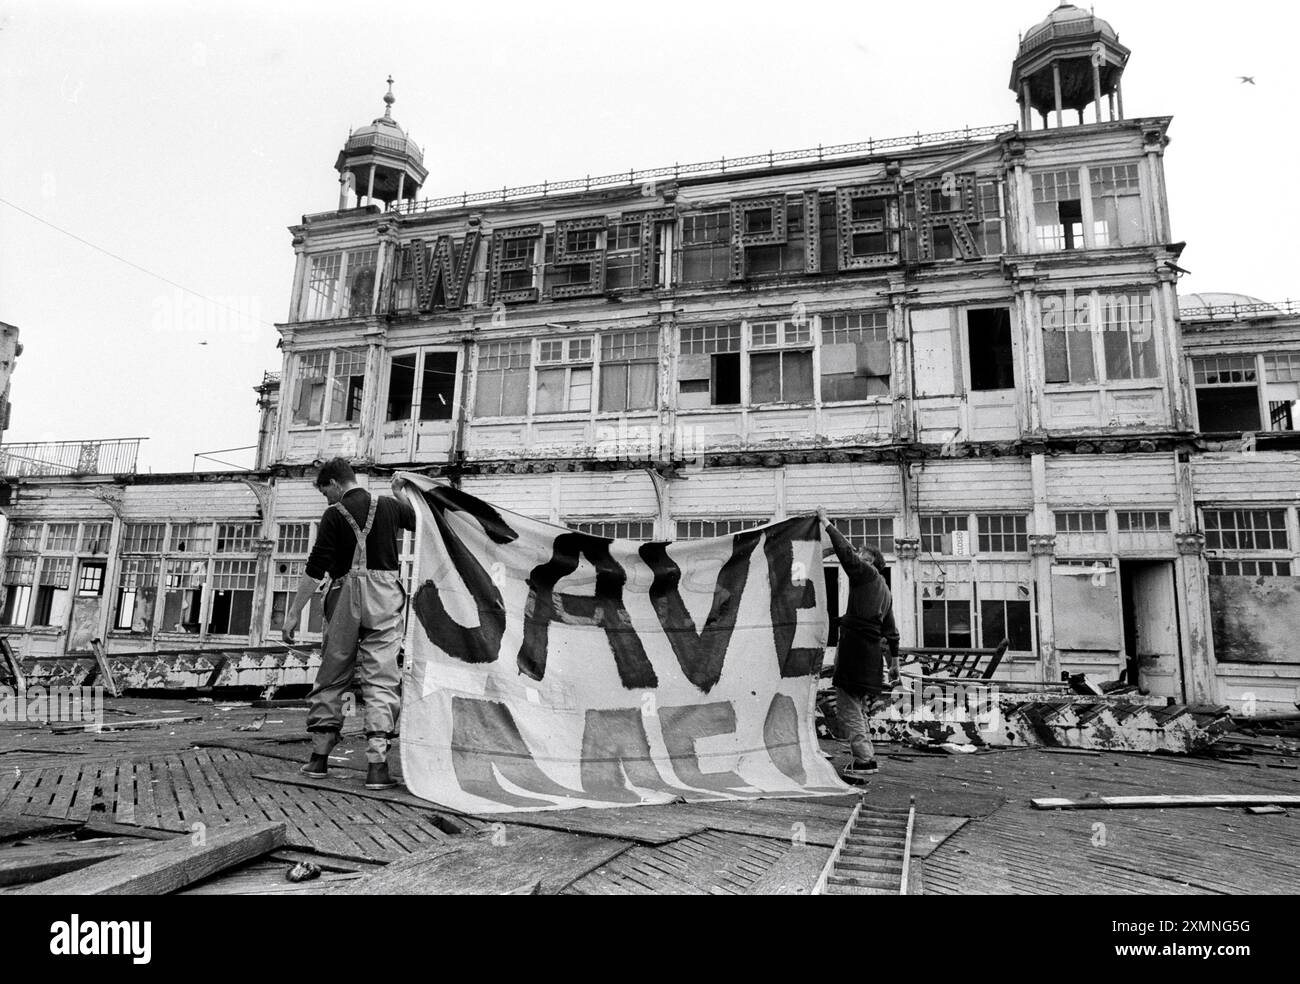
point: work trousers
(362, 638)
(851, 713)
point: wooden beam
(505, 861)
(15, 670)
(165, 866)
(105, 671)
(39, 861)
(1162, 802)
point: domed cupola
(1067, 61)
(380, 162)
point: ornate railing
(1236, 312)
(722, 166)
(113, 456)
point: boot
(317, 767)
(377, 776)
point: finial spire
(389, 99)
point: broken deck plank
(161, 867)
(493, 863)
(1162, 802)
(643, 824)
(794, 874)
(41, 860)
(20, 828)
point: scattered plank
(352, 786)
(1161, 802)
(105, 828)
(292, 705)
(39, 861)
(1265, 809)
(652, 825)
(489, 864)
(795, 874)
(931, 831)
(65, 729)
(165, 866)
(21, 828)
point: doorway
(1151, 637)
(421, 405)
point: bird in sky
(1247, 78)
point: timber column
(1042, 548)
(908, 552)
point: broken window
(501, 389)
(20, 573)
(232, 597)
(95, 537)
(633, 529)
(183, 595)
(868, 531)
(708, 370)
(1081, 522)
(438, 385)
(1282, 389)
(143, 537)
(629, 370)
(359, 275)
(309, 387)
(706, 246)
(347, 384)
(236, 537)
(699, 529)
(1142, 521)
(564, 372)
(323, 286)
(56, 575)
(1002, 533)
(1116, 204)
(1058, 210)
(401, 387)
(1010, 620)
(992, 365)
(1246, 529)
(1067, 339)
(191, 538)
(855, 356)
(25, 536)
(137, 593)
(284, 585)
(789, 256)
(945, 624)
(945, 535)
(783, 376)
(1227, 392)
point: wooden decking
(69, 798)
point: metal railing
(111, 456)
(722, 166)
(1236, 312)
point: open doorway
(1151, 637)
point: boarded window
(708, 371)
(1254, 619)
(1085, 609)
(855, 356)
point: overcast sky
(185, 137)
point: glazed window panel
(706, 246)
(1250, 568)
(360, 277)
(868, 531)
(1067, 339)
(1142, 521)
(781, 377)
(630, 529)
(1224, 370)
(20, 570)
(293, 538)
(310, 382)
(1282, 367)
(1128, 336)
(143, 537)
(347, 386)
(946, 624)
(1116, 204)
(324, 286)
(1002, 533)
(56, 572)
(710, 339)
(937, 533)
(502, 384)
(61, 537)
(1246, 529)
(629, 370)
(1058, 213)
(698, 529)
(1081, 522)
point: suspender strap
(359, 555)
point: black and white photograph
(710, 448)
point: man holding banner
(867, 623)
(357, 546)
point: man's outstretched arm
(852, 561)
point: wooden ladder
(872, 854)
